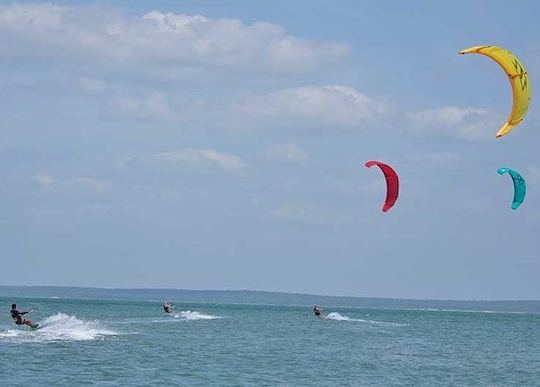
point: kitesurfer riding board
(317, 311)
(16, 315)
(168, 307)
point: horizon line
(269, 291)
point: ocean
(123, 337)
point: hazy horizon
(397, 298)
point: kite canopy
(392, 183)
(519, 81)
(519, 186)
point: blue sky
(220, 145)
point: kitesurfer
(18, 319)
(167, 307)
(318, 312)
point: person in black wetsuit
(167, 307)
(18, 319)
(318, 312)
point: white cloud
(286, 153)
(470, 124)
(79, 183)
(154, 106)
(102, 35)
(335, 106)
(198, 158)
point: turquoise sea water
(133, 342)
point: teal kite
(519, 186)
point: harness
(16, 316)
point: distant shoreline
(255, 297)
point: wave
(59, 327)
(341, 317)
(194, 315)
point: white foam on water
(9, 333)
(194, 315)
(337, 317)
(341, 317)
(59, 327)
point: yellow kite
(518, 80)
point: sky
(221, 145)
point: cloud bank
(102, 36)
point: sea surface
(109, 339)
